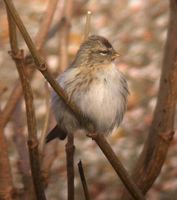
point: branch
(64, 34)
(11, 103)
(18, 57)
(87, 25)
(6, 185)
(23, 161)
(63, 64)
(161, 132)
(46, 121)
(118, 167)
(43, 68)
(83, 180)
(45, 24)
(40, 40)
(32, 131)
(70, 165)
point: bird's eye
(103, 53)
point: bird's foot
(93, 135)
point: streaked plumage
(95, 85)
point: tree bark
(161, 132)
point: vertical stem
(70, 166)
(87, 25)
(83, 180)
(6, 186)
(18, 57)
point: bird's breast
(100, 94)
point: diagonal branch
(161, 132)
(43, 68)
(117, 165)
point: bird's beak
(115, 55)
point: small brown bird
(96, 86)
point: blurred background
(137, 29)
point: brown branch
(23, 162)
(46, 121)
(18, 57)
(43, 68)
(45, 24)
(64, 34)
(83, 180)
(11, 103)
(63, 64)
(87, 25)
(161, 132)
(40, 41)
(32, 131)
(70, 165)
(117, 165)
(63, 44)
(6, 185)
(20, 142)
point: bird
(96, 86)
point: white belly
(103, 102)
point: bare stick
(161, 131)
(40, 63)
(45, 25)
(18, 56)
(11, 103)
(46, 120)
(43, 68)
(118, 167)
(17, 91)
(32, 133)
(23, 162)
(83, 180)
(70, 166)
(63, 64)
(87, 25)
(6, 185)
(63, 44)
(64, 34)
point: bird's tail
(56, 132)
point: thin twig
(11, 103)
(63, 44)
(46, 120)
(64, 34)
(32, 133)
(18, 57)
(63, 64)
(161, 131)
(45, 25)
(17, 91)
(70, 165)
(83, 180)
(118, 167)
(43, 68)
(6, 183)
(87, 25)
(23, 162)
